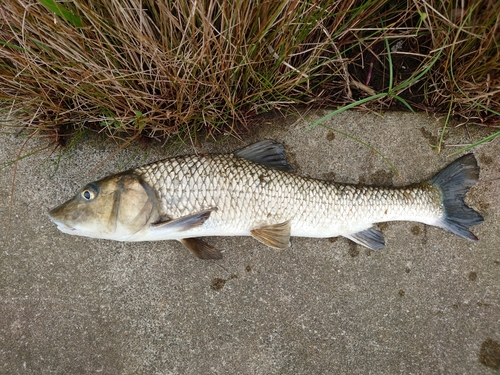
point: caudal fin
(454, 181)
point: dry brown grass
(145, 68)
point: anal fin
(371, 238)
(201, 249)
(276, 236)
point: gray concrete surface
(429, 303)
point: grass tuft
(143, 68)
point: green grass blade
(446, 122)
(347, 135)
(484, 140)
(62, 12)
(345, 108)
(391, 68)
(400, 99)
(10, 45)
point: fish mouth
(64, 228)
(60, 225)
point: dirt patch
(489, 354)
(472, 276)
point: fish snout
(62, 217)
(63, 227)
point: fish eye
(88, 194)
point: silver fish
(251, 192)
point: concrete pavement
(428, 303)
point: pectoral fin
(276, 236)
(183, 223)
(371, 238)
(201, 249)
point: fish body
(252, 193)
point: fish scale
(248, 195)
(251, 192)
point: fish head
(116, 208)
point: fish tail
(454, 181)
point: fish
(254, 192)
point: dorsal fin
(268, 152)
